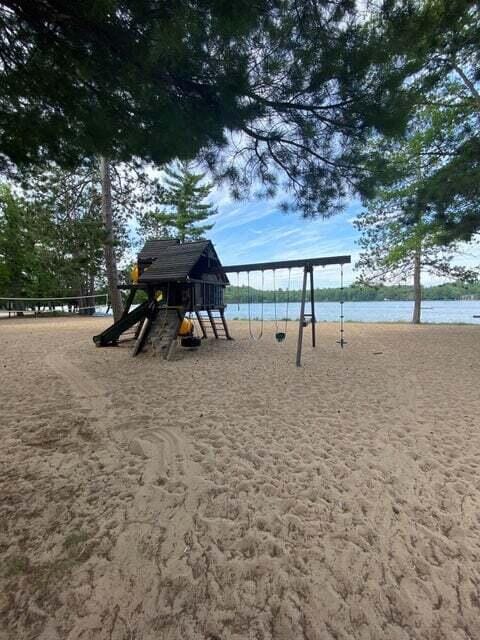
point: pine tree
(400, 237)
(184, 197)
(16, 244)
(277, 92)
(109, 239)
(274, 92)
(392, 251)
(441, 41)
(66, 206)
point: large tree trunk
(108, 250)
(417, 287)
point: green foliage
(441, 40)
(64, 207)
(357, 293)
(184, 197)
(121, 79)
(398, 228)
(276, 92)
(14, 566)
(52, 235)
(17, 245)
(42, 252)
(321, 81)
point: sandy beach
(228, 495)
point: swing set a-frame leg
(302, 318)
(308, 269)
(312, 306)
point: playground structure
(184, 286)
(182, 283)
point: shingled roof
(154, 248)
(174, 261)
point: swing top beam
(287, 264)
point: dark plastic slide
(111, 335)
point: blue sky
(257, 231)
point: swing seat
(280, 336)
(191, 342)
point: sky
(258, 231)
(255, 230)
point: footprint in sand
(164, 449)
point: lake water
(386, 311)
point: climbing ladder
(162, 338)
(159, 332)
(213, 320)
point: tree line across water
(355, 293)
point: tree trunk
(417, 288)
(108, 248)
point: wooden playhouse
(178, 280)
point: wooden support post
(138, 329)
(302, 318)
(173, 343)
(147, 323)
(312, 305)
(128, 303)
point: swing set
(308, 279)
(184, 285)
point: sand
(228, 495)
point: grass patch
(74, 539)
(15, 566)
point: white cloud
(240, 215)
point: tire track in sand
(166, 460)
(149, 548)
(166, 448)
(83, 387)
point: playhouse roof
(154, 248)
(171, 260)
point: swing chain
(238, 290)
(275, 302)
(288, 298)
(342, 342)
(249, 309)
(281, 335)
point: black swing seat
(191, 342)
(307, 319)
(280, 336)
